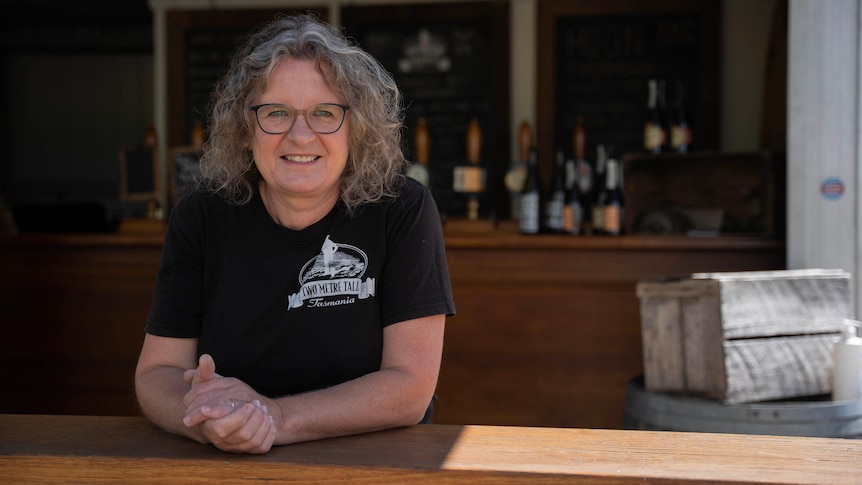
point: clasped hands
(228, 412)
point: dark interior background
(76, 85)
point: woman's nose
(300, 129)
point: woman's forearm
(384, 399)
(160, 392)
(396, 395)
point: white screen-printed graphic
(333, 277)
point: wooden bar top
(101, 449)
(133, 233)
(148, 233)
(505, 235)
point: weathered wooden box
(744, 336)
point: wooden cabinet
(72, 311)
(547, 331)
(548, 327)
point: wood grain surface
(94, 449)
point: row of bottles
(583, 198)
(580, 200)
(468, 178)
(667, 129)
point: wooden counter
(547, 331)
(128, 450)
(72, 311)
(548, 326)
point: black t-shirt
(291, 311)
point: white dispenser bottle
(847, 364)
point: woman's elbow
(418, 407)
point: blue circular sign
(832, 188)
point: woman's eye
(278, 113)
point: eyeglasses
(324, 118)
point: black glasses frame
(298, 111)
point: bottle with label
(583, 171)
(662, 109)
(530, 216)
(614, 204)
(680, 128)
(847, 364)
(557, 196)
(469, 178)
(599, 193)
(654, 127)
(517, 174)
(419, 169)
(573, 208)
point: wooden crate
(743, 336)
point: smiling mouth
(298, 158)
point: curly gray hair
(375, 159)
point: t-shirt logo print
(333, 277)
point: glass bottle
(585, 173)
(573, 208)
(419, 169)
(614, 203)
(654, 128)
(530, 216)
(680, 129)
(557, 196)
(597, 202)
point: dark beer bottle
(530, 217)
(654, 127)
(557, 196)
(573, 208)
(680, 128)
(614, 203)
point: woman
(303, 288)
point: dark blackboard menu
(208, 55)
(140, 171)
(200, 45)
(137, 174)
(451, 64)
(603, 66)
(595, 60)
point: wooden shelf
(505, 236)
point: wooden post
(823, 137)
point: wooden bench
(128, 450)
